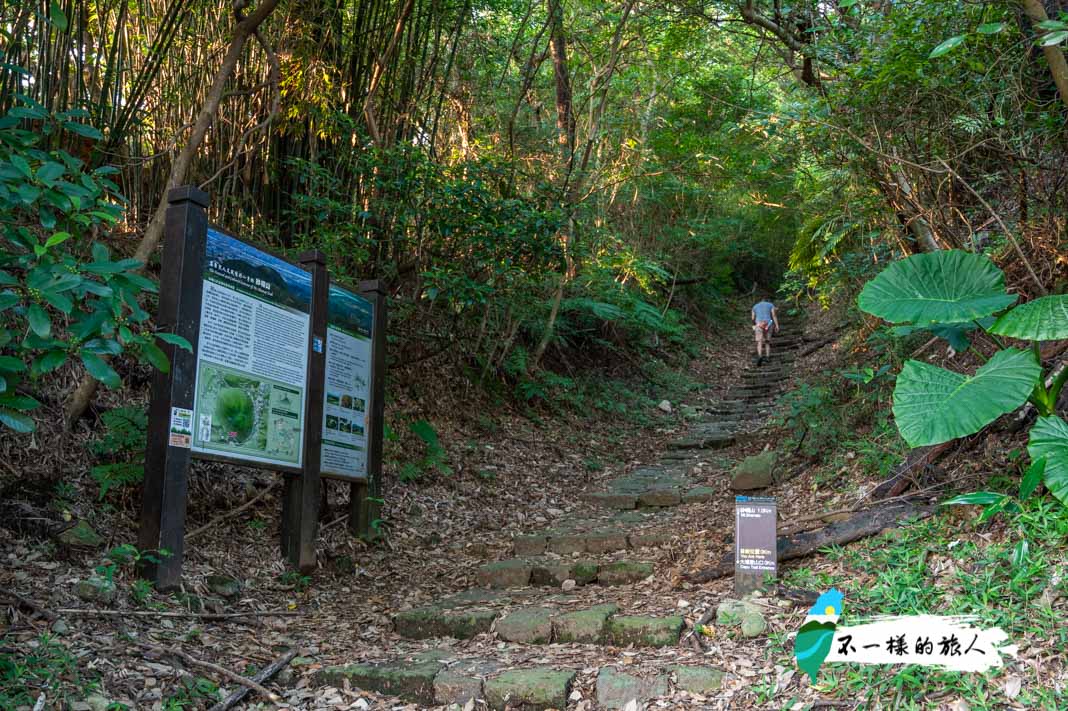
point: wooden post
(163, 503)
(300, 502)
(365, 496)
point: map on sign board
(252, 356)
(348, 384)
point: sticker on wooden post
(181, 427)
(755, 550)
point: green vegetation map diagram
(243, 415)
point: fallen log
(27, 603)
(904, 474)
(859, 525)
(211, 666)
(809, 350)
(235, 698)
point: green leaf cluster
(932, 405)
(63, 297)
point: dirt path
(558, 585)
(584, 610)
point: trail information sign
(252, 358)
(755, 547)
(350, 322)
(285, 373)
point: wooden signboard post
(755, 551)
(286, 373)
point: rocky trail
(552, 585)
(587, 612)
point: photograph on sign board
(252, 358)
(348, 375)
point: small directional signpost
(755, 552)
(286, 373)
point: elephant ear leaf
(1049, 442)
(1044, 319)
(933, 405)
(949, 286)
(812, 645)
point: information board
(755, 545)
(350, 322)
(252, 359)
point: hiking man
(764, 319)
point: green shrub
(62, 296)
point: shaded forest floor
(516, 474)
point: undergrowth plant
(121, 449)
(62, 294)
(952, 293)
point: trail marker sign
(286, 374)
(755, 547)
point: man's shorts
(762, 331)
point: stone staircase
(530, 600)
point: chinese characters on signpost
(252, 361)
(755, 548)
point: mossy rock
(699, 495)
(551, 572)
(616, 689)
(641, 631)
(753, 624)
(80, 535)
(755, 472)
(513, 573)
(584, 572)
(529, 689)
(584, 626)
(411, 681)
(624, 572)
(731, 611)
(436, 621)
(527, 626)
(698, 680)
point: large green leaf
(934, 405)
(1049, 442)
(1044, 319)
(949, 286)
(99, 369)
(16, 421)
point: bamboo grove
(546, 180)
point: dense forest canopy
(534, 176)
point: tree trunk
(246, 27)
(565, 119)
(916, 224)
(1058, 67)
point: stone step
(761, 375)
(607, 540)
(720, 440)
(439, 679)
(553, 572)
(444, 677)
(540, 624)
